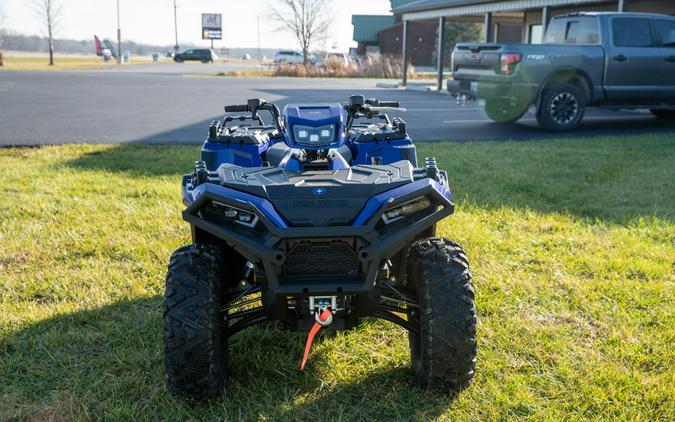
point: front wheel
(443, 355)
(562, 108)
(195, 346)
(663, 114)
(504, 111)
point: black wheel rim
(564, 108)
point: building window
(536, 34)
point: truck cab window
(632, 32)
(667, 31)
(576, 30)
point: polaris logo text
(318, 203)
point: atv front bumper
(317, 261)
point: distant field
(40, 61)
(572, 245)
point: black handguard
(239, 108)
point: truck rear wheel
(663, 114)
(504, 111)
(562, 108)
(195, 346)
(444, 354)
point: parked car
(288, 56)
(293, 57)
(612, 60)
(341, 58)
(203, 55)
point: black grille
(321, 259)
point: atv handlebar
(254, 105)
(359, 106)
(242, 108)
(384, 104)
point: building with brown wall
(503, 20)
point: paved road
(160, 104)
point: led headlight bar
(411, 207)
(314, 136)
(244, 218)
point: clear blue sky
(151, 21)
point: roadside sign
(212, 26)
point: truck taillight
(509, 61)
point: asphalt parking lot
(173, 103)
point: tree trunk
(51, 49)
(305, 55)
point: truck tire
(562, 108)
(663, 114)
(443, 356)
(195, 347)
(504, 111)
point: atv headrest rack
(253, 106)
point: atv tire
(504, 111)
(195, 347)
(444, 354)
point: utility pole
(175, 21)
(119, 35)
(259, 55)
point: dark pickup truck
(612, 60)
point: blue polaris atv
(320, 219)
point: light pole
(119, 35)
(259, 55)
(175, 21)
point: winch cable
(324, 320)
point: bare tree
(2, 29)
(49, 11)
(308, 20)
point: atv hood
(315, 198)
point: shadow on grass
(108, 362)
(139, 160)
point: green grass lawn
(572, 245)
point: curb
(389, 85)
(420, 88)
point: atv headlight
(411, 207)
(244, 218)
(315, 136)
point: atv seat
(249, 135)
(278, 152)
(376, 132)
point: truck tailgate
(477, 58)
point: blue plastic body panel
(245, 155)
(371, 207)
(388, 152)
(315, 115)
